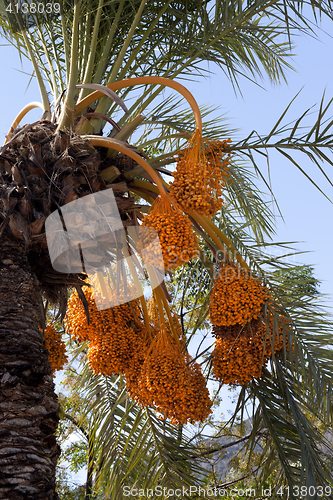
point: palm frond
(295, 438)
(131, 446)
(242, 38)
(312, 138)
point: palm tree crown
(109, 126)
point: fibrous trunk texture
(28, 404)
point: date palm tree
(86, 53)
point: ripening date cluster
(152, 355)
(244, 340)
(200, 176)
(157, 367)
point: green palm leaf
(132, 447)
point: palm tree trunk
(28, 403)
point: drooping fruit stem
(217, 235)
(107, 142)
(143, 80)
(21, 115)
(220, 239)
